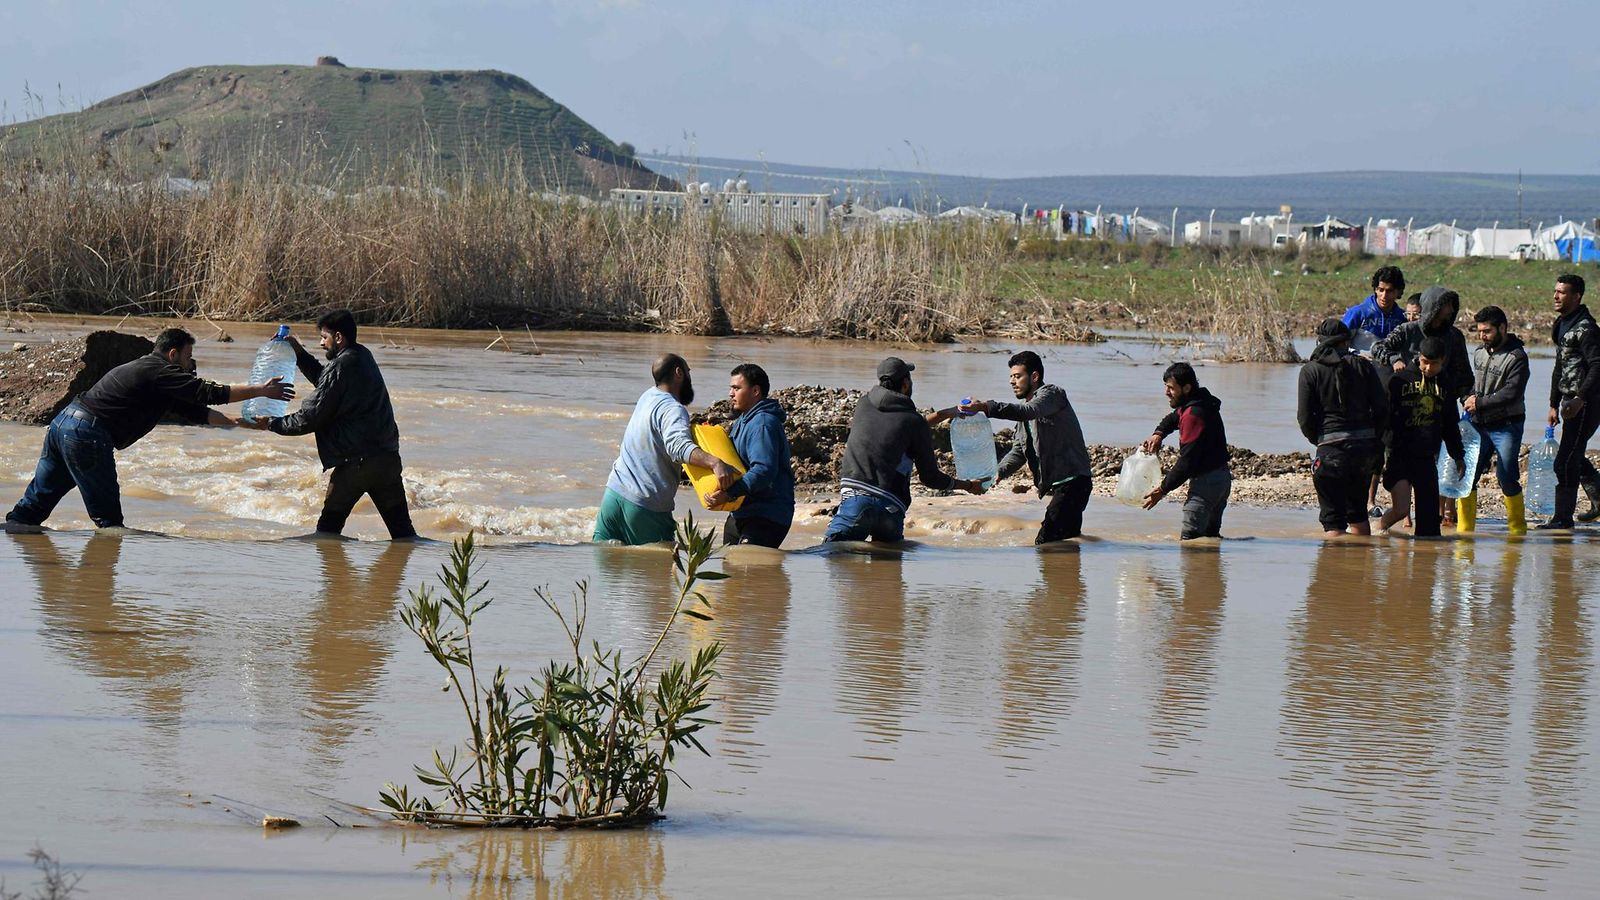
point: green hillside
(335, 121)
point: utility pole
(1520, 222)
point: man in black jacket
(1202, 453)
(887, 437)
(122, 407)
(1049, 442)
(353, 421)
(1343, 411)
(1574, 399)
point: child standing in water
(1421, 414)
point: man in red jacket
(1202, 453)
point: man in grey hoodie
(1049, 442)
(888, 436)
(1440, 305)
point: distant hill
(1467, 198)
(212, 121)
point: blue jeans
(863, 516)
(78, 453)
(1506, 439)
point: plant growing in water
(591, 741)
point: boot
(1467, 513)
(1591, 489)
(1516, 518)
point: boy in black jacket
(1421, 413)
(1202, 453)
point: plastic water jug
(274, 359)
(1141, 474)
(1449, 484)
(1541, 492)
(972, 442)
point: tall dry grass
(419, 247)
(1246, 316)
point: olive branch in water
(590, 741)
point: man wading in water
(122, 407)
(1202, 453)
(887, 437)
(1343, 411)
(353, 420)
(1050, 443)
(1574, 400)
(638, 502)
(768, 482)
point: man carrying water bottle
(1574, 400)
(1202, 453)
(1496, 406)
(122, 407)
(353, 421)
(1049, 442)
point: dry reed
(1246, 316)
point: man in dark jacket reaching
(888, 436)
(1574, 400)
(767, 485)
(1343, 411)
(1440, 305)
(1202, 453)
(1049, 442)
(353, 421)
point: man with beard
(767, 485)
(122, 407)
(1202, 453)
(639, 497)
(888, 436)
(1574, 400)
(358, 442)
(1498, 412)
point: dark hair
(1494, 315)
(1571, 281)
(755, 376)
(1433, 347)
(340, 321)
(666, 365)
(1415, 299)
(173, 339)
(1392, 276)
(1180, 374)
(1028, 360)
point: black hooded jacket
(1405, 342)
(1202, 439)
(1341, 397)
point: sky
(997, 89)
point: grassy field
(1109, 285)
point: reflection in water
(507, 865)
(1398, 696)
(751, 612)
(141, 650)
(1188, 657)
(1556, 771)
(346, 649)
(880, 665)
(1041, 652)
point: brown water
(1126, 717)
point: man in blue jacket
(1380, 313)
(767, 485)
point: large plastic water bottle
(274, 359)
(972, 442)
(1449, 485)
(1541, 493)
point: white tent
(1442, 239)
(896, 215)
(973, 212)
(1499, 242)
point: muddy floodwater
(1272, 716)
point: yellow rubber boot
(1516, 517)
(1467, 513)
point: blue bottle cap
(283, 332)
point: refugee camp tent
(1569, 241)
(974, 212)
(1501, 243)
(896, 215)
(1442, 239)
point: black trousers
(1572, 467)
(377, 476)
(754, 530)
(1421, 471)
(1341, 473)
(1063, 518)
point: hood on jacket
(1434, 299)
(1333, 342)
(767, 407)
(1202, 398)
(887, 400)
